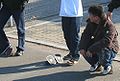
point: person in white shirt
(71, 12)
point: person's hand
(109, 15)
(83, 52)
(89, 54)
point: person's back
(71, 8)
(14, 4)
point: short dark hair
(96, 10)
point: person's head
(96, 13)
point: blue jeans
(71, 29)
(18, 16)
(104, 57)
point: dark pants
(71, 29)
(105, 57)
(18, 16)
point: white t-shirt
(71, 8)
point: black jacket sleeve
(86, 40)
(113, 5)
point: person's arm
(85, 40)
(111, 6)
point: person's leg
(94, 62)
(4, 42)
(105, 58)
(19, 20)
(66, 31)
(71, 29)
(74, 30)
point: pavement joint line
(39, 24)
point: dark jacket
(14, 4)
(113, 5)
(0, 3)
(98, 36)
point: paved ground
(32, 67)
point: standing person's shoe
(107, 70)
(73, 61)
(19, 53)
(67, 57)
(7, 51)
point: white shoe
(51, 59)
(107, 71)
(58, 58)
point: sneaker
(96, 67)
(72, 62)
(58, 58)
(51, 60)
(67, 57)
(7, 51)
(19, 53)
(107, 70)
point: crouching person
(98, 43)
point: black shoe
(7, 52)
(67, 57)
(19, 53)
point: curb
(57, 46)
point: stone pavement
(32, 66)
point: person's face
(93, 18)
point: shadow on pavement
(62, 76)
(29, 67)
